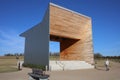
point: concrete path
(89, 74)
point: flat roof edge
(69, 10)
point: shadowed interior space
(65, 44)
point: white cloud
(10, 41)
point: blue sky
(16, 16)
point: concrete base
(69, 65)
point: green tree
(98, 55)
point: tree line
(99, 56)
(54, 54)
(96, 56)
(14, 54)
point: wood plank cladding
(74, 33)
(68, 23)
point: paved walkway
(90, 74)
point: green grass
(35, 66)
(8, 63)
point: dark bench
(37, 71)
(38, 74)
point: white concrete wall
(37, 43)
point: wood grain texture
(74, 32)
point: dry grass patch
(8, 63)
(54, 57)
(7, 69)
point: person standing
(107, 65)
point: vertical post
(46, 68)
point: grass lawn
(100, 64)
(8, 63)
(54, 57)
(7, 69)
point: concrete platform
(69, 65)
